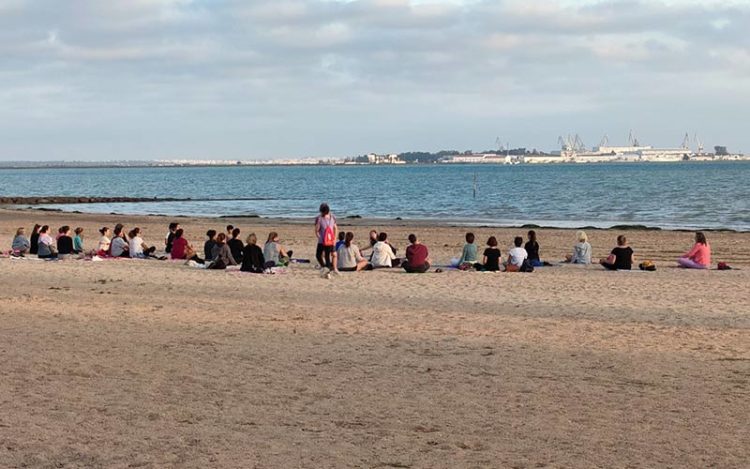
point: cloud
(236, 78)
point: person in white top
(382, 253)
(104, 242)
(349, 256)
(136, 247)
(516, 256)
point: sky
(244, 79)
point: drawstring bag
(723, 266)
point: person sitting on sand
(340, 242)
(532, 249)
(34, 240)
(491, 257)
(208, 246)
(21, 244)
(468, 254)
(274, 253)
(137, 249)
(699, 257)
(372, 240)
(516, 256)
(119, 246)
(222, 255)
(78, 240)
(252, 256)
(229, 228)
(581, 251)
(169, 238)
(236, 245)
(64, 243)
(350, 257)
(621, 257)
(46, 248)
(102, 249)
(382, 253)
(417, 257)
(181, 248)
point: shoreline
(358, 220)
(445, 239)
(141, 165)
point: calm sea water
(669, 195)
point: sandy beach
(127, 363)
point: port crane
(633, 140)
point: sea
(686, 195)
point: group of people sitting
(67, 243)
(336, 251)
(222, 250)
(521, 258)
(622, 256)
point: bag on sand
(723, 266)
(647, 266)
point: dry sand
(154, 364)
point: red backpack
(329, 236)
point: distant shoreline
(146, 165)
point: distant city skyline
(271, 79)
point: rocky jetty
(50, 200)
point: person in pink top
(699, 257)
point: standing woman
(699, 257)
(326, 230)
(34, 249)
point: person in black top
(34, 241)
(235, 245)
(252, 256)
(621, 257)
(208, 246)
(64, 242)
(170, 237)
(532, 248)
(491, 260)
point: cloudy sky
(151, 79)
